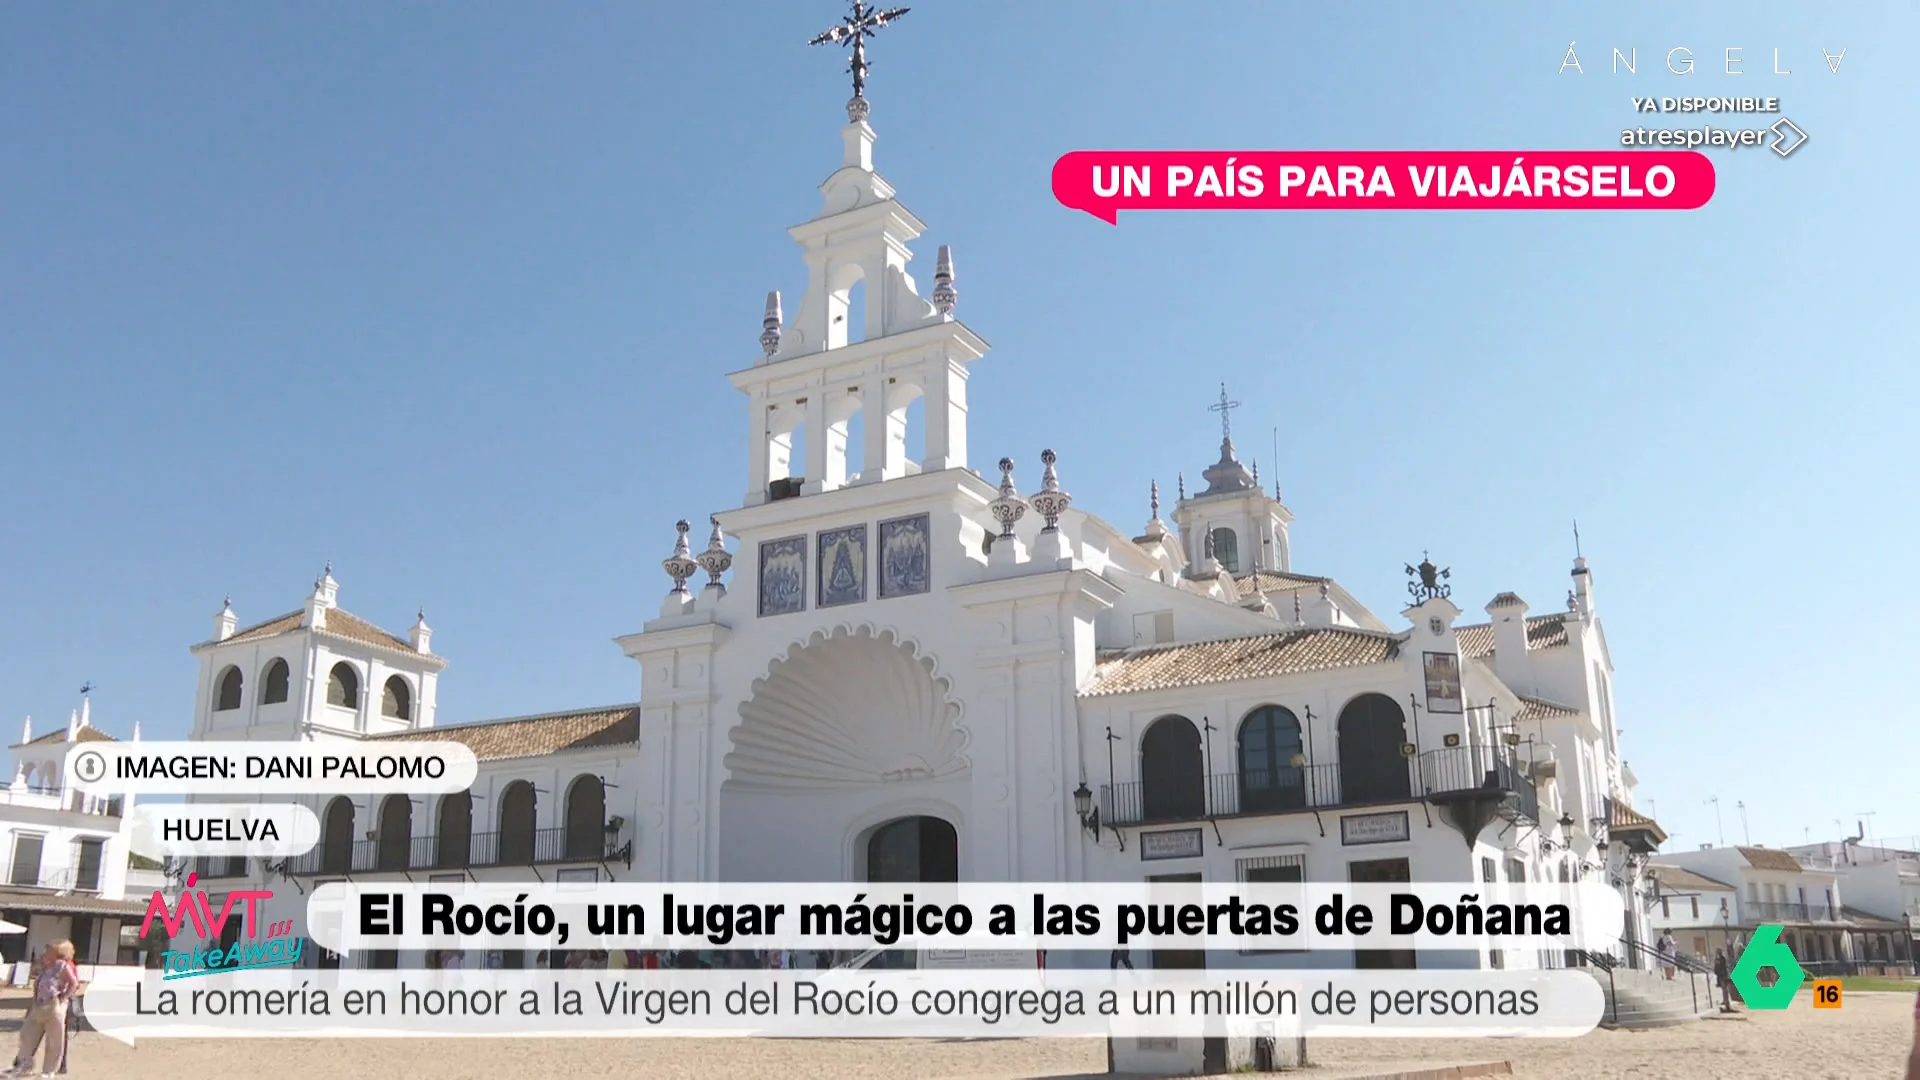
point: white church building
(895, 669)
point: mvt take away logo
(277, 948)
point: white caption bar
(349, 917)
(185, 830)
(842, 1004)
(243, 768)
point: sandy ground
(1867, 1039)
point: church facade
(900, 669)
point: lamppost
(1089, 814)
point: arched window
(273, 683)
(1172, 773)
(453, 839)
(517, 806)
(397, 701)
(1269, 747)
(343, 686)
(336, 837)
(396, 833)
(1226, 548)
(227, 697)
(586, 818)
(1372, 768)
(914, 849)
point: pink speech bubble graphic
(1105, 182)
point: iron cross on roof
(1225, 409)
(855, 29)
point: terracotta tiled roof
(1868, 918)
(53, 903)
(1506, 599)
(1543, 632)
(1769, 859)
(535, 736)
(1273, 581)
(1538, 709)
(1624, 818)
(339, 623)
(85, 734)
(1677, 879)
(1165, 666)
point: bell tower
(1233, 522)
(836, 363)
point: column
(945, 385)
(816, 428)
(654, 824)
(760, 450)
(873, 433)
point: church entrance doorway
(1213, 1051)
(1382, 872)
(912, 850)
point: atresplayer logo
(278, 948)
(1765, 951)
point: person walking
(55, 978)
(1669, 950)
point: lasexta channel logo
(1764, 951)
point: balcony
(1439, 775)
(68, 800)
(1773, 911)
(534, 847)
(83, 879)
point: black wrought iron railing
(1191, 797)
(453, 851)
(1460, 770)
(1762, 911)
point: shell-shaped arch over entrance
(849, 707)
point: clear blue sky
(446, 293)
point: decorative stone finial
(1259, 601)
(421, 636)
(858, 109)
(1009, 507)
(1050, 502)
(1156, 529)
(770, 325)
(1183, 487)
(680, 565)
(715, 560)
(944, 294)
(226, 606)
(1256, 472)
(1298, 619)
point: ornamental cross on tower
(855, 29)
(1225, 409)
